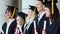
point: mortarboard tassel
(52, 6)
(43, 0)
(34, 14)
(25, 19)
(13, 12)
(43, 5)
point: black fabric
(54, 28)
(23, 15)
(29, 31)
(55, 1)
(11, 27)
(41, 23)
(33, 8)
(4, 27)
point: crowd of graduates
(41, 19)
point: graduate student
(42, 20)
(29, 20)
(20, 18)
(54, 27)
(9, 26)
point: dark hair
(21, 14)
(11, 11)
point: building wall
(58, 5)
(26, 3)
(20, 5)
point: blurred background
(21, 4)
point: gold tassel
(52, 6)
(43, 5)
(43, 0)
(34, 14)
(13, 12)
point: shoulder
(57, 27)
(4, 24)
(57, 22)
(14, 24)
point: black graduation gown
(11, 29)
(54, 28)
(41, 23)
(50, 29)
(57, 30)
(29, 31)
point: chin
(8, 17)
(38, 10)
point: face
(30, 13)
(47, 9)
(8, 14)
(19, 20)
(47, 12)
(39, 5)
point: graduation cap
(55, 1)
(35, 11)
(23, 15)
(33, 8)
(50, 5)
(12, 9)
(43, 1)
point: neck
(29, 17)
(9, 20)
(41, 11)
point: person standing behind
(54, 27)
(55, 14)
